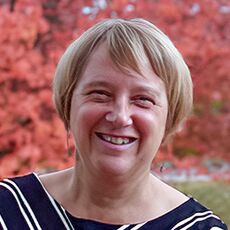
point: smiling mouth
(116, 139)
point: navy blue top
(25, 204)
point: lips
(117, 140)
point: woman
(121, 89)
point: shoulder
(14, 190)
(187, 213)
(12, 187)
(24, 204)
(13, 201)
(193, 215)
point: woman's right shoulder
(25, 204)
(12, 199)
(11, 187)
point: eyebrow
(152, 90)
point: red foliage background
(34, 34)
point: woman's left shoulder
(193, 215)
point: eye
(144, 101)
(99, 95)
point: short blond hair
(128, 41)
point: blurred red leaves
(34, 34)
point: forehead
(104, 57)
(101, 68)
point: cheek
(151, 125)
(83, 119)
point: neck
(106, 185)
(108, 198)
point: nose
(120, 115)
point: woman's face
(117, 119)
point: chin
(114, 167)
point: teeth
(116, 140)
(107, 138)
(126, 140)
